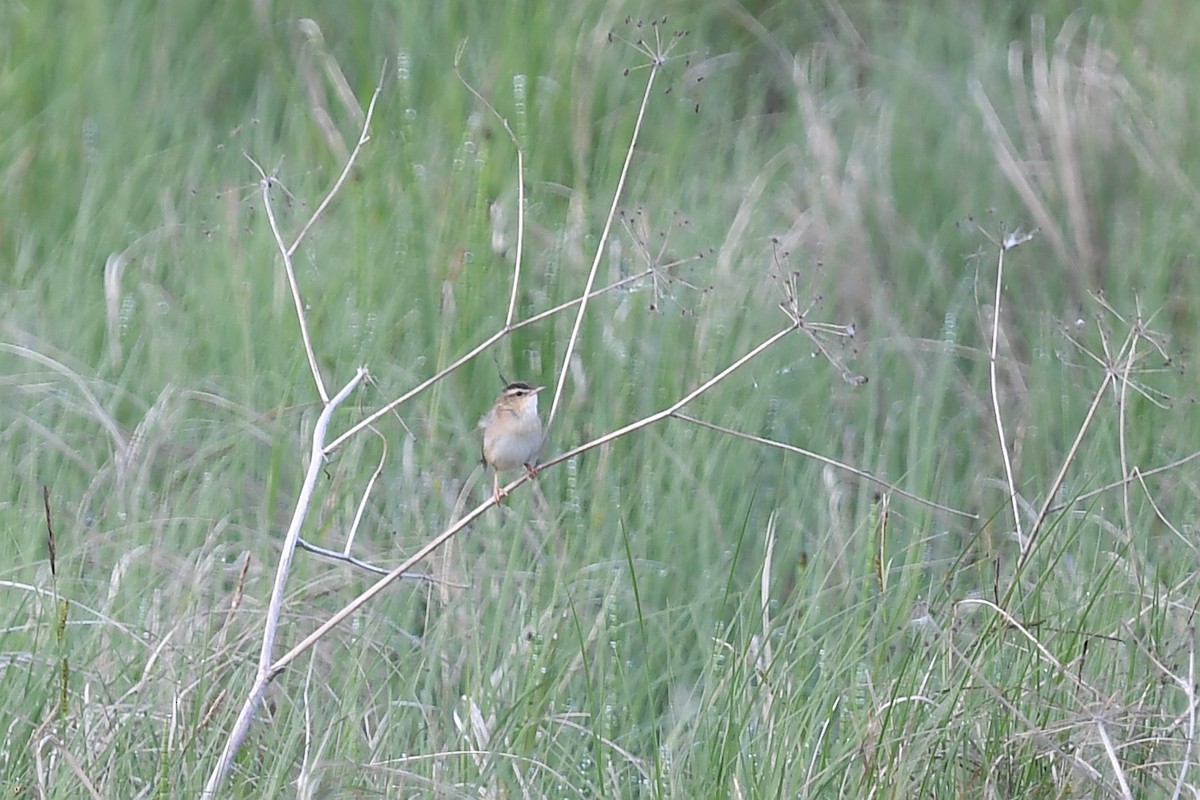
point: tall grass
(684, 611)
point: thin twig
(1111, 752)
(335, 555)
(600, 249)
(1186, 541)
(362, 503)
(363, 137)
(1039, 522)
(1118, 484)
(995, 391)
(266, 183)
(1188, 687)
(791, 448)
(669, 411)
(1123, 450)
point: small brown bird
(512, 433)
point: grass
(680, 612)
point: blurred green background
(619, 628)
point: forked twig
(241, 725)
(266, 183)
(433, 544)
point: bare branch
(270, 626)
(436, 542)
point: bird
(512, 433)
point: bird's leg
(531, 470)
(497, 493)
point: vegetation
(934, 539)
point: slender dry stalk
(1188, 687)
(791, 448)
(1009, 242)
(1040, 521)
(1140, 476)
(362, 503)
(266, 183)
(263, 677)
(1111, 752)
(1123, 450)
(657, 60)
(363, 138)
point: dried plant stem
(1187, 685)
(363, 137)
(266, 182)
(1122, 443)
(1140, 476)
(600, 248)
(338, 555)
(672, 409)
(1111, 752)
(271, 624)
(891, 487)
(362, 502)
(995, 391)
(1040, 521)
